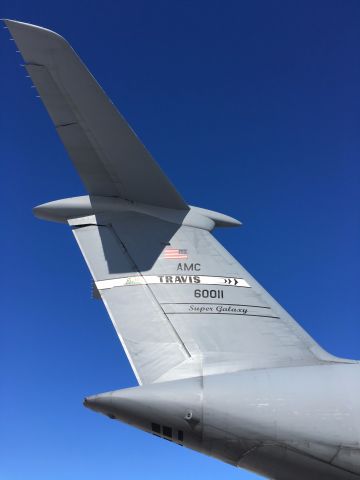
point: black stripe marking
(213, 303)
(223, 313)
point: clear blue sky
(252, 109)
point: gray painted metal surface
(105, 151)
(223, 368)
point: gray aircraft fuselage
(284, 423)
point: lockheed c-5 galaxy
(222, 367)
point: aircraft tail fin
(181, 305)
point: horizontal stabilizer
(107, 154)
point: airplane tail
(181, 305)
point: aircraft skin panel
(181, 304)
(277, 462)
(109, 157)
(145, 332)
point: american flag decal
(175, 253)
